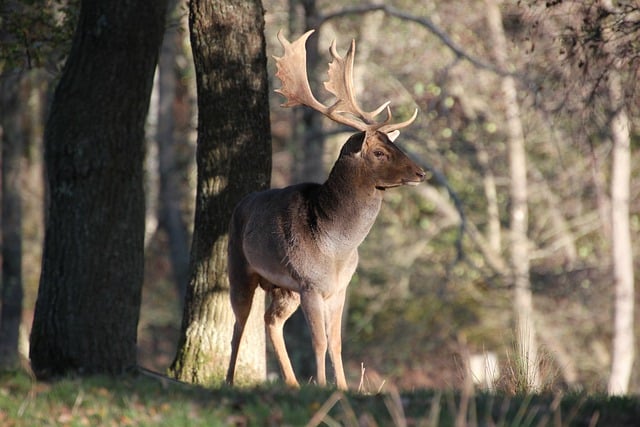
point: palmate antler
(292, 72)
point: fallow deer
(300, 243)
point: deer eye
(378, 153)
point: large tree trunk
(233, 158)
(88, 302)
(12, 290)
(527, 359)
(622, 255)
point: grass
(145, 401)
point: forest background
(438, 276)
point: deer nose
(421, 174)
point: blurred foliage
(36, 33)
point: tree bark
(233, 158)
(522, 298)
(88, 301)
(12, 288)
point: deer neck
(347, 205)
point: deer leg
(313, 308)
(335, 305)
(242, 288)
(283, 304)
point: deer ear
(354, 144)
(393, 135)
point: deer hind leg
(283, 304)
(242, 288)
(335, 306)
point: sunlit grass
(144, 401)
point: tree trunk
(622, 255)
(88, 302)
(12, 290)
(527, 359)
(171, 193)
(233, 158)
(313, 138)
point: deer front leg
(313, 306)
(283, 304)
(335, 306)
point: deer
(300, 243)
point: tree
(233, 158)
(88, 301)
(12, 291)
(623, 347)
(32, 37)
(170, 192)
(525, 332)
(313, 140)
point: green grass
(144, 401)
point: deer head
(388, 163)
(382, 160)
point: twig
(361, 385)
(320, 415)
(421, 20)
(164, 379)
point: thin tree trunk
(523, 298)
(233, 158)
(313, 139)
(151, 176)
(12, 290)
(623, 346)
(88, 304)
(622, 255)
(171, 195)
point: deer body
(300, 244)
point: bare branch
(420, 20)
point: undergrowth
(145, 401)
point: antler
(292, 72)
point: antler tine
(340, 84)
(387, 128)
